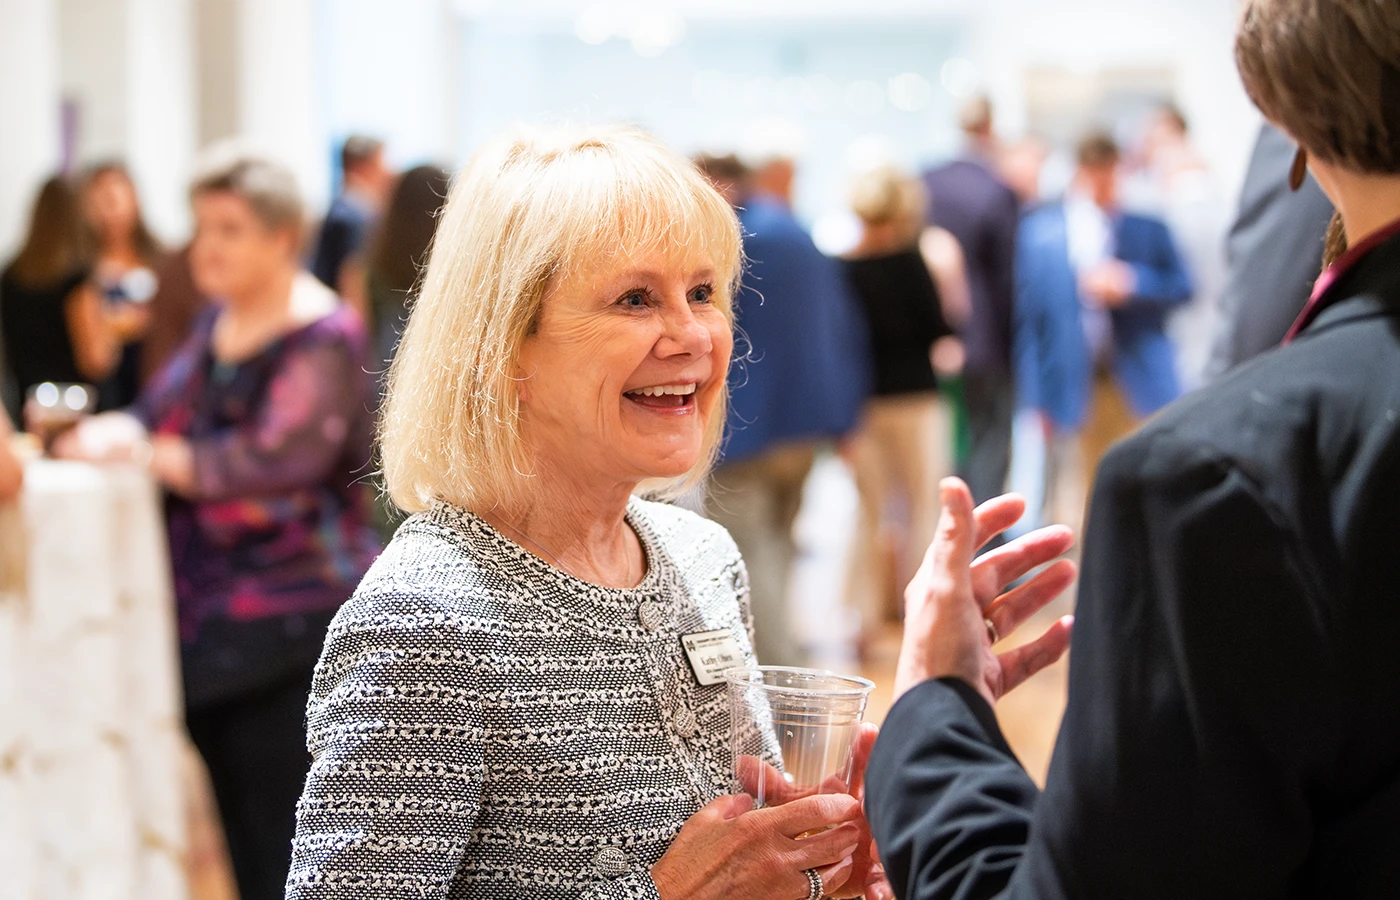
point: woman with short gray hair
(260, 431)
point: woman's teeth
(664, 390)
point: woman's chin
(670, 466)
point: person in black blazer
(1272, 253)
(969, 198)
(1232, 728)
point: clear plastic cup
(792, 731)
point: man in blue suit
(800, 374)
(1094, 286)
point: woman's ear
(523, 375)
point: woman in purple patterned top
(260, 429)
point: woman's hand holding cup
(731, 851)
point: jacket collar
(1375, 261)
(1368, 285)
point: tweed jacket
(485, 725)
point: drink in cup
(792, 731)
(52, 407)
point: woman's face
(625, 370)
(233, 253)
(111, 204)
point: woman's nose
(684, 334)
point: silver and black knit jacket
(485, 725)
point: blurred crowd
(974, 326)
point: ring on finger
(816, 889)
(993, 635)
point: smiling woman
(592, 218)
(505, 708)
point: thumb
(728, 806)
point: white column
(276, 89)
(127, 65)
(161, 120)
(29, 109)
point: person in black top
(366, 182)
(1231, 729)
(1272, 252)
(53, 321)
(126, 258)
(972, 199)
(903, 445)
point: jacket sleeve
(1164, 280)
(1198, 723)
(395, 781)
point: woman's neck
(268, 299)
(254, 318)
(120, 252)
(579, 528)
(1367, 203)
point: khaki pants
(1110, 420)
(901, 452)
(1073, 458)
(757, 501)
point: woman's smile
(670, 399)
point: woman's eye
(703, 294)
(634, 300)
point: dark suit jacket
(345, 228)
(1274, 253)
(1054, 364)
(801, 367)
(1233, 728)
(971, 202)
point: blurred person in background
(1175, 182)
(1273, 253)
(970, 200)
(125, 257)
(505, 709)
(380, 280)
(56, 326)
(801, 373)
(260, 430)
(1231, 726)
(911, 284)
(11, 469)
(1020, 165)
(1094, 287)
(365, 184)
(175, 307)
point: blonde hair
(528, 210)
(885, 195)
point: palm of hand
(953, 598)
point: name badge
(711, 654)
